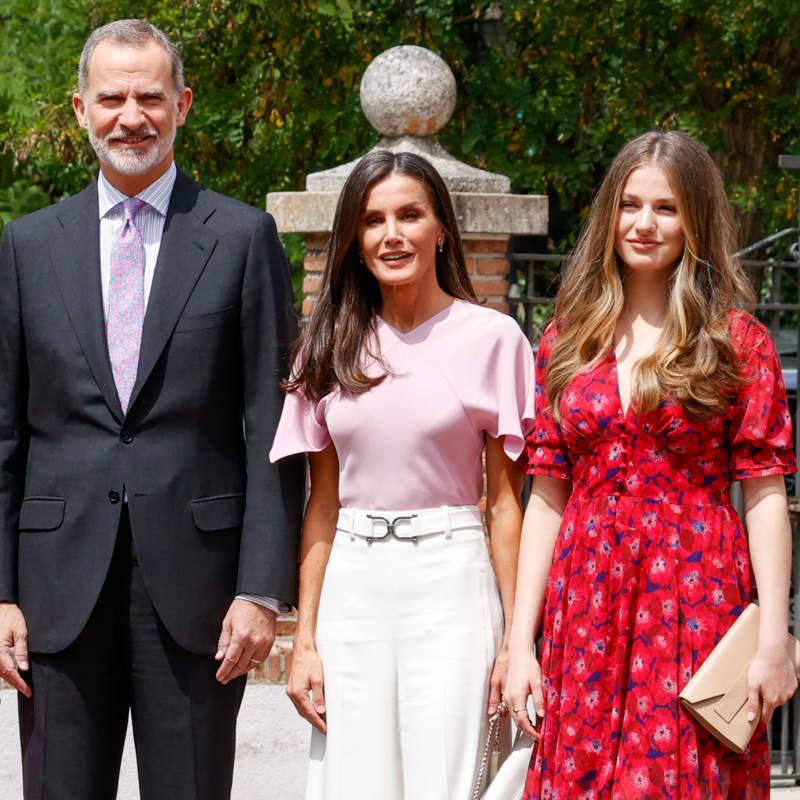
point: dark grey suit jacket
(210, 516)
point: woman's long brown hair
(694, 363)
(329, 353)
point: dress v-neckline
(615, 369)
(405, 335)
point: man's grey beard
(131, 162)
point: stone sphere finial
(408, 90)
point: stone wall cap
(496, 213)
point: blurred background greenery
(549, 90)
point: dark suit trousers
(73, 729)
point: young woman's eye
(411, 215)
(670, 209)
(627, 205)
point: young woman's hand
(305, 685)
(524, 679)
(771, 681)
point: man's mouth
(131, 138)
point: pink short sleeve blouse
(415, 440)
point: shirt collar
(156, 195)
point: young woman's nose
(645, 219)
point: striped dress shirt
(150, 222)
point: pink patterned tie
(126, 302)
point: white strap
(448, 523)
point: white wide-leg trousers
(407, 632)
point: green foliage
(549, 90)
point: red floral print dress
(650, 568)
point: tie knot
(131, 206)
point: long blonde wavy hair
(694, 363)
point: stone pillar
(408, 93)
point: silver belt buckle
(390, 525)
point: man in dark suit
(144, 326)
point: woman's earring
(441, 245)
(361, 258)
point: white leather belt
(411, 525)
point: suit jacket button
(127, 437)
(114, 496)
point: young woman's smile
(649, 231)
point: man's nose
(131, 115)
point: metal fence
(532, 290)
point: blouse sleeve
(509, 385)
(545, 451)
(301, 428)
(761, 430)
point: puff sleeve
(508, 386)
(760, 434)
(301, 428)
(545, 450)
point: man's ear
(80, 109)
(184, 104)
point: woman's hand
(771, 681)
(498, 679)
(524, 679)
(305, 685)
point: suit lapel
(186, 246)
(75, 255)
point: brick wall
(487, 266)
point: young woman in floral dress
(655, 390)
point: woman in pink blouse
(401, 384)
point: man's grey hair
(135, 33)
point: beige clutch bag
(716, 695)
